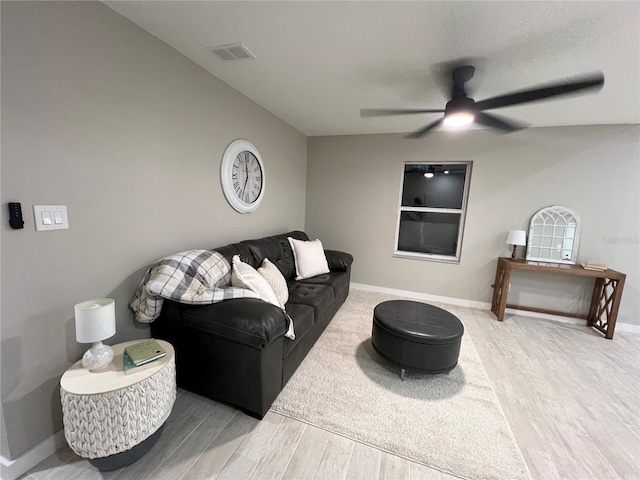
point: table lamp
(96, 321)
(515, 238)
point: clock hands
(244, 158)
(246, 175)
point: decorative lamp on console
(516, 238)
(96, 321)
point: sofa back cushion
(276, 248)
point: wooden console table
(605, 301)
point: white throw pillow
(309, 257)
(245, 276)
(274, 277)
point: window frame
(462, 211)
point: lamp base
(513, 253)
(97, 357)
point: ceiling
(319, 63)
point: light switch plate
(56, 215)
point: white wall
(102, 117)
(354, 186)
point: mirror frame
(554, 217)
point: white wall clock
(242, 176)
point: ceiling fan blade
(493, 121)
(423, 131)
(536, 94)
(378, 112)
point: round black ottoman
(417, 335)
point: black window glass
(443, 187)
(429, 232)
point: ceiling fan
(462, 110)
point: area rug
(452, 423)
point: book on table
(600, 267)
(129, 367)
(145, 351)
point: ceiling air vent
(231, 51)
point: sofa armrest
(247, 321)
(338, 261)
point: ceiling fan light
(459, 119)
(429, 172)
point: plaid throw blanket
(197, 277)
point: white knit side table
(111, 418)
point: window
(432, 210)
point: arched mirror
(554, 233)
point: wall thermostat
(15, 215)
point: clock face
(247, 177)
(242, 176)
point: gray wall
(102, 117)
(353, 189)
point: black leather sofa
(235, 351)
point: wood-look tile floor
(571, 397)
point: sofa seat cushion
(302, 316)
(247, 321)
(338, 280)
(319, 297)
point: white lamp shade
(95, 320)
(517, 237)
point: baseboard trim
(620, 327)
(422, 296)
(12, 469)
(628, 327)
